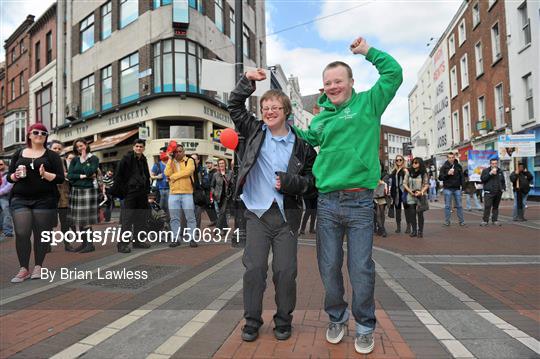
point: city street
(459, 292)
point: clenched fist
(256, 75)
(360, 46)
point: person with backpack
(521, 180)
(35, 172)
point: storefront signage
(510, 146)
(217, 115)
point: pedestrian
(396, 192)
(83, 198)
(180, 169)
(310, 211)
(347, 170)
(34, 171)
(451, 173)
(521, 180)
(494, 185)
(432, 189)
(132, 183)
(5, 213)
(274, 174)
(470, 192)
(380, 199)
(207, 178)
(200, 197)
(222, 186)
(108, 182)
(416, 184)
(162, 182)
(63, 200)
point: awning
(107, 142)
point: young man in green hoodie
(346, 171)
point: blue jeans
(350, 213)
(164, 199)
(7, 222)
(477, 204)
(448, 194)
(183, 202)
(432, 193)
(515, 207)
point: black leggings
(412, 214)
(32, 216)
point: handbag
(423, 204)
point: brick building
(479, 81)
(3, 89)
(391, 144)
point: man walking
(494, 185)
(451, 174)
(347, 170)
(132, 182)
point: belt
(354, 190)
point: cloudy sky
(401, 28)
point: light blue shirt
(259, 191)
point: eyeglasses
(399, 160)
(40, 133)
(274, 109)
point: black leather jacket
(297, 181)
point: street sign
(144, 133)
(510, 146)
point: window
(246, 41)
(386, 136)
(462, 34)
(196, 4)
(106, 88)
(129, 11)
(129, 78)
(232, 25)
(495, 43)
(466, 122)
(106, 20)
(527, 82)
(455, 126)
(21, 82)
(490, 4)
(525, 24)
(87, 96)
(2, 97)
(476, 14)
(49, 47)
(21, 47)
(479, 61)
(87, 33)
(158, 3)
(177, 65)
(481, 108)
(386, 149)
(43, 106)
(14, 129)
(453, 82)
(13, 95)
(464, 69)
(218, 8)
(37, 56)
(451, 45)
(499, 106)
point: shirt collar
(289, 137)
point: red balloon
(229, 138)
(172, 146)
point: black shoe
(282, 332)
(141, 245)
(249, 333)
(420, 235)
(408, 229)
(124, 249)
(302, 232)
(193, 244)
(398, 230)
(89, 247)
(413, 234)
(383, 233)
(174, 244)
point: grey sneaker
(447, 224)
(483, 224)
(497, 223)
(335, 332)
(364, 344)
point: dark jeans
(380, 211)
(135, 213)
(398, 207)
(343, 213)
(262, 233)
(491, 204)
(415, 218)
(32, 216)
(311, 212)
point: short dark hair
(139, 141)
(53, 142)
(493, 159)
(80, 139)
(335, 64)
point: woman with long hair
(35, 172)
(83, 199)
(221, 185)
(416, 183)
(396, 190)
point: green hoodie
(349, 134)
